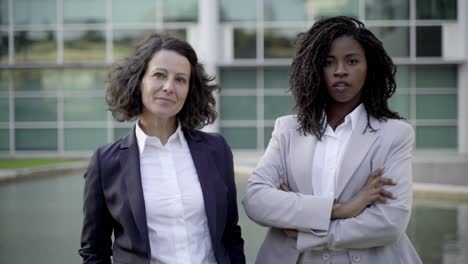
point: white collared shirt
(328, 154)
(175, 210)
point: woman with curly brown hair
(334, 184)
(166, 191)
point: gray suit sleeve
(268, 206)
(379, 224)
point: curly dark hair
(123, 93)
(307, 84)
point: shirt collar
(142, 137)
(351, 119)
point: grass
(12, 164)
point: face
(165, 85)
(345, 71)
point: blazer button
(356, 258)
(326, 256)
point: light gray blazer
(377, 235)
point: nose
(340, 69)
(168, 86)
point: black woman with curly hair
(165, 192)
(334, 184)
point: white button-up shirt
(328, 155)
(175, 209)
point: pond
(41, 223)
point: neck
(337, 112)
(160, 128)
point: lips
(341, 85)
(169, 100)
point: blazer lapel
(130, 164)
(301, 160)
(358, 146)
(204, 166)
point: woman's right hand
(371, 192)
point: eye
(328, 63)
(159, 75)
(353, 61)
(181, 80)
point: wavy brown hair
(123, 93)
(307, 84)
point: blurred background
(55, 55)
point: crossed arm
(367, 220)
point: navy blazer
(113, 201)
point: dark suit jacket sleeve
(97, 224)
(232, 233)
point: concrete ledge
(43, 171)
(421, 191)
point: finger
(377, 172)
(284, 187)
(382, 199)
(387, 194)
(386, 181)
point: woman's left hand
(292, 233)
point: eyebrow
(166, 71)
(347, 55)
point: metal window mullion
(60, 122)
(11, 50)
(59, 36)
(159, 25)
(412, 29)
(260, 109)
(11, 99)
(109, 33)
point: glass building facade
(55, 55)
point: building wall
(55, 54)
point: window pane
(400, 104)
(267, 136)
(36, 79)
(436, 76)
(84, 45)
(4, 12)
(276, 78)
(125, 41)
(84, 79)
(4, 139)
(237, 11)
(180, 10)
(429, 41)
(36, 139)
(436, 106)
(385, 9)
(245, 43)
(84, 109)
(84, 138)
(121, 132)
(5, 79)
(276, 106)
(35, 109)
(280, 10)
(402, 77)
(436, 9)
(395, 39)
(84, 11)
(328, 8)
(278, 42)
(4, 109)
(3, 46)
(240, 137)
(238, 107)
(124, 11)
(34, 12)
(436, 137)
(35, 46)
(238, 78)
